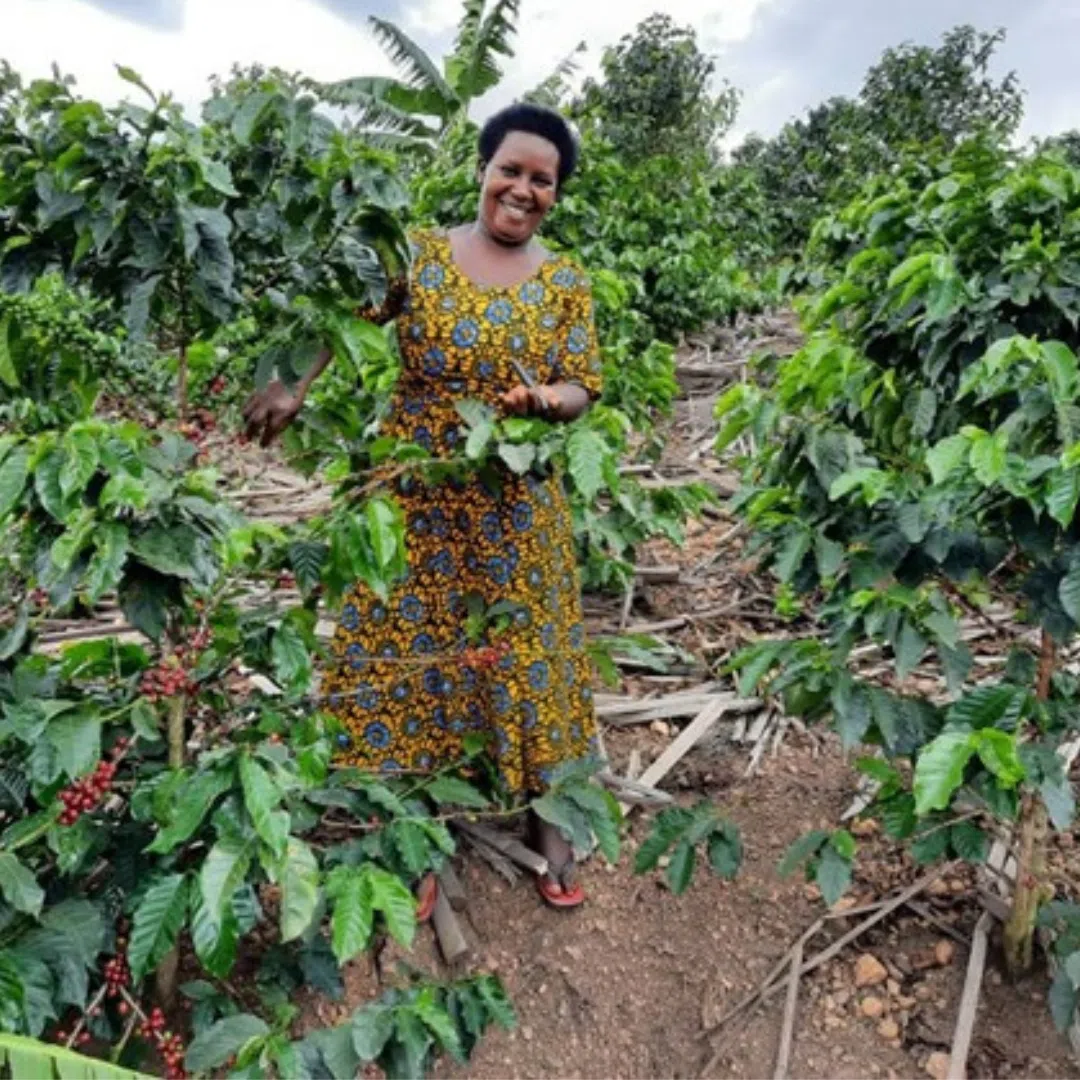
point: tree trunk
(1031, 850)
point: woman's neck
(481, 231)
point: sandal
(554, 892)
(427, 891)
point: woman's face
(518, 187)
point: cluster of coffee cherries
(87, 792)
(201, 424)
(169, 1045)
(117, 976)
(170, 676)
(483, 657)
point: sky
(784, 55)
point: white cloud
(85, 41)
(549, 30)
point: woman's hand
(542, 401)
(269, 412)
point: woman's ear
(481, 168)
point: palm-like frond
(553, 89)
(472, 68)
(390, 99)
(418, 69)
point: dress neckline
(444, 236)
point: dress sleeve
(578, 358)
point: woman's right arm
(268, 412)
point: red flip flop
(556, 895)
(427, 892)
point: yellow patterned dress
(397, 680)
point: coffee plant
(917, 462)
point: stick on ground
(787, 1032)
(969, 999)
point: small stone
(995, 978)
(865, 827)
(842, 997)
(938, 887)
(832, 1022)
(957, 887)
(527, 1033)
(872, 1007)
(869, 971)
(944, 951)
(889, 1029)
(845, 903)
(574, 952)
(812, 893)
(923, 992)
(658, 727)
(937, 1065)
(893, 987)
(905, 1002)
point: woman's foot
(558, 887)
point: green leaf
(726, 851)
(833, 874)
(292, 661)
(384, 529)
(439, 1022)
(790, 556)
(415, 1042)
(411, 841)
(1063, 1000)
(353, 918)
(223, 872)
(215, 938)
(14, 637)
(1069, 593)
(216, 174)
(909, 647)
(479, 438)
(371, 1028)
(391, 896)
(156, 923)
(248, 114)
(168, 550)
(80, 462)
(19, 886)
(1062, 494)
(1059, 361)
(496, 1001)
(944, 457)
(969, 842)
(77, 739)
(852, 711)
(988, 457)
(196, 799)
(997, 751)
(604, 814)
(988, 706)
(457, 792)
(939, 770)
(667, 827)
(299, 889)
(680, 871)
(517, 457)
(585, 453)
(213, 1047)
(107, 563)
(802, 849)
(829, 555)
(925, 410)
(261, 797)
(14, 470)
(8, 375)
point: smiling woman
(486, 303)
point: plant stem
(1031, 854)
(177, 740)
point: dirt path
(628, 986)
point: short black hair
(533, 120)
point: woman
(486, 303)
